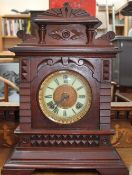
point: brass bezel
(54, 117)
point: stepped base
(23, 161)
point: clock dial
(65, 97)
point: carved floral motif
(27, 38)
(65, 34)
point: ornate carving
(42, 33)
(105, 140)
(105, 39)
(65, 34)
(59, 140)
(25, 73)
(27, 38)
(66, 11)
(90, 35)
(108, 36)
(106, 67)
(65, 61)
(102, 40)
(73, 16)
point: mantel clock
(65, 95)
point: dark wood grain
(64, 39)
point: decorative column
(90, 34)
(42, 33)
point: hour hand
(64, 96)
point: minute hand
(63, 97)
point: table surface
(9, 104)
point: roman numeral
(79, 88)
(82, 96)
(48, 96)
(56, 110)
(57, 82)
(73, 82)
(65, 78)
(79, 105)
(64, 113)
(51, 88)
(73, 111)
(51, 104)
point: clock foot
(15, 171)
(113, 171)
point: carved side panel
(105, 95)
(106, 70)
(25, 98)
(106, 66)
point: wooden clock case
(64, 39)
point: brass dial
(65, 96)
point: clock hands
(64, 96)
(55, 104)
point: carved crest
(65, 61)
(63, 26)
(66, 11)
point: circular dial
(65, 97)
